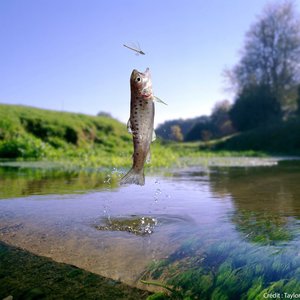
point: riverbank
(83, 141)
(27, 276)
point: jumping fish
(140, 124)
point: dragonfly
(135, 48)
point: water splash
(107, 180)
(157, 191)
(137, 225)
(116, 172)
(157, 194)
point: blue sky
(68, 54)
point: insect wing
(134, 47)
(140, 49)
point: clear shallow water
(235, 227)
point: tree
(221, 120)
(104, 114)
(255, 106)
(203, 130)
(271, 54)
(165, 132)
(176, 133)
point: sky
(68, 55)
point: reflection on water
(16, 181)
(273, 189)
(217, 232)
(266, 200)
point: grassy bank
(77, 139)
(282, 138)
(80, 140)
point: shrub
(23, 147)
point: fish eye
(138, 79)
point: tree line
(265, 81)
(204, 128)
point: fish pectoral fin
(153, 136)
(148, 157)
(159, 100)
(129, 126)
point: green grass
(31, 132)
(280, 138)
(28, 133)
(81, 140)
(206, 149)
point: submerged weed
(226, 270)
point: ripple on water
(140, 225)
(134, 224)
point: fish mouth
(147, 72)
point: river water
(234, 223)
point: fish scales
(142, 119)
(140, 124)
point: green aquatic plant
(230, 269)
(158, 296)
(172, 293)
(263, 227)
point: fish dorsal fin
(129, 126)
(159, 100)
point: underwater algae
(225, 270)
(259, 257)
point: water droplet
(158, 192)
(156, 195)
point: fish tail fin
(134, 177)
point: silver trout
(140, 124)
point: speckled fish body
(140, 124)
